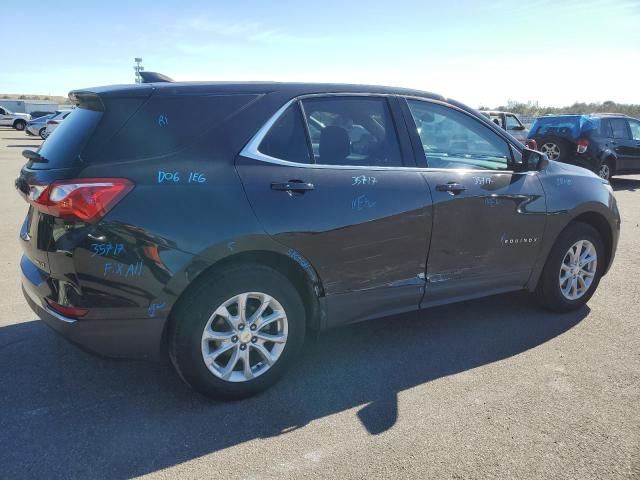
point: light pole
(138, 68)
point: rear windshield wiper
(34, 156)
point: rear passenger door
(328, 179)
(622, 143)
(634, 126)
(488, 219)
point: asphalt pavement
(492, 388)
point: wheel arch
(19, 120)
(290, 264)
(601, 225)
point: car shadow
(24, 146)
(66, 413)
(629, 184)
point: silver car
(54, 121)
(37, 126)
(508, 121)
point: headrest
(334, 146)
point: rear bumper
(117, 338)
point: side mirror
(533, 160)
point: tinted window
(287, 139)
(619, 127)
(64, 145)
(635, 129)
(452, 139)
(568, 126)
(352, 131)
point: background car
(605, 143)
(55, 121)
(509, 122)
(40, 113)
(38, 126)
(15, 120)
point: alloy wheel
(578, 269)
(551, 150)
(604, 171)
(244, 337)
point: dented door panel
(486, 236)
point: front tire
(573, 269)
(237, 333)
(19, 125)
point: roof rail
(154, 77)
(611, 114)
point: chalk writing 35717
(104, 249)
(364, 180)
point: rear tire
(43, 133)
(605, 170)
(209, 320)
(19, 125)
(558, 296)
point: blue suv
(607, 144)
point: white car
(15, 120)
(54, 121)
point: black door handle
(292, 186)
(451, 187)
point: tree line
(533, 109)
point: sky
(478, 52)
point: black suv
(296, 207)
(607, 144)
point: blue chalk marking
(154, 307)
(132, 270)
(168, 176)
(163, 120)
(104, 249)
(362, 202)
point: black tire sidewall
(548, 290)
(191, 319)
(41, 132)
(20, 125)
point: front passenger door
(488, 219)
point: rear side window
(287, 140)
(357, 131)
(64, 145)
(619, 127)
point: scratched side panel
(360, 228)
(486, 237)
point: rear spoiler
(154, 77)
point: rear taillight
(73, 312)
(84, 199)
(52, 122)
(582, 143)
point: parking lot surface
(488, 388)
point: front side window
(635, 129)
(513, 123)
(287, 140)
(619, 127)
(452, 139)
(355, 131)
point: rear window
(66, 142)
(163, 125)
(568, 126)
(134, 127)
